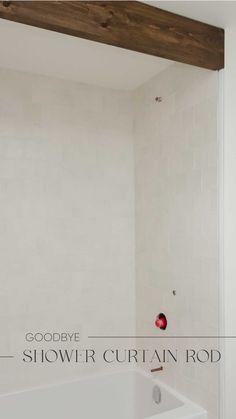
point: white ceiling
(218, 13)
(49, 53)
(39, 51)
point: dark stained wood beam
(127, 24)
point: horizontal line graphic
(7, 356)
(162, 337)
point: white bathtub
(123, 395)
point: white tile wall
(66, 217)
(71, 201)
(177, 221)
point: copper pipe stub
(157, 369)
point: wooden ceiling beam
(126, 24)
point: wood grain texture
(127, 24)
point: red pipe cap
(161, 321)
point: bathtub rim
(189, 409)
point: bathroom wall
(176, 179)
(72, 201)
(67, 219)
(228, 216)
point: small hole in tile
(174, 292)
